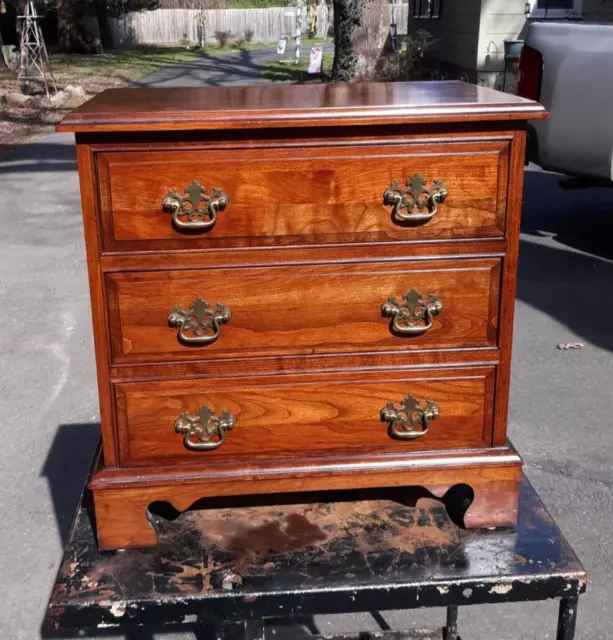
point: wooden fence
(171, 26)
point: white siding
(500, 20)
(506, 20)
(471, 33)
(456, 31)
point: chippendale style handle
(202, 322)
(414, 203)
(204, 430)
(413, 315)
(195, 211)
(409, 421)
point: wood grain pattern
(293, 138)
(289, 416)
(339, 254)
(316, 363)
(315, 195)
(93, 244)
(509, 285)
(302, 310)
(122, 508)
(311, 105)
(223, 474)
(304, 256)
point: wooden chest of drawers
(300, 288)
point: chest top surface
(310, 105)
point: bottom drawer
(290, 416)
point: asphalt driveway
(242, 68)
(561, 403)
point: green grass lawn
(120, 67)
(131, 64)
(123, 65)
(285, 70)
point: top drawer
(301, 195)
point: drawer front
(300, 416)
(162, 316)
(301, 195)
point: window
(426, 8)
(555, 9)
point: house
(470, 34)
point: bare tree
(68, 18)
(371, 35)
(71, 15)
(361, 28)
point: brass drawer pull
(413, 315)
(409, 421)
(201, 321)
(414, 204)
(187, 212)
(204, 431)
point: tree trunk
(77, 27)
(361, 28)
(64, 25)
(346, 22)
(103, 23)
(3, 58)
(371, 36)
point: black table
(230, 569)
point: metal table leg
(450, 632)
(241, 630)
(567, 618)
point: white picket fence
(171, 26)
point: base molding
(122, 496)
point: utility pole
(394, 27)
(34, 63)
(299, 24)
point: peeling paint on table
(354, 552)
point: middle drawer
(298, 310)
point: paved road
(561, 402)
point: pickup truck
(568, 67)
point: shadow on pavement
(243, 68)
(573, 286)
(40, 156)
(66, 468)
(581, 220)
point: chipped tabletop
(354, 552)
